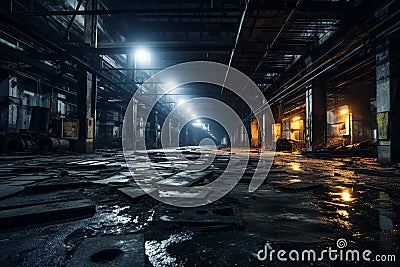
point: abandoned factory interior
(199, 133)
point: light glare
(344, 111)
(142, 56)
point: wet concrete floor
(331, 200)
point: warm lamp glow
(344, 112)
(296, 118)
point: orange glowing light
(344, 111)
(296, 118)
(295, 166)
(346, 196)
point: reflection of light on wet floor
(157, 250)
(368, 214)
(295, 180)
(343, 195)
(346, 195)
(338, 203)
(295, 166)
(343, 213)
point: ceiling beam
(290, 49)
(162, 26)
(134, 12)
(121, 48)
(307, 6)
(263, 69)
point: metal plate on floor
(185, 178)
(32, 178)
(131, 192)
(38, 199)
(45, 213)
(7, 191)
(182, 196)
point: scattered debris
(367, 149)
(73, 186)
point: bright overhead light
(198, 121)
(180, 102)
(142, 56)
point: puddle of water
(370, 217)
(341, 195)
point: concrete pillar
(170, 133)
(315, 116)
(265, 128)
(91, 24)
(236, 138)
(243, 132)
(152, 130)
(255, 133)
(130, 128)
(309, 118)
(9, 107)
(134, 125)
(156, 125)
(388, 99)
(186, 136)
(140, 131)
(85, 111)
(87, 88)
(178, 133)
(129, 65)
(264, 132)
(267, 124)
